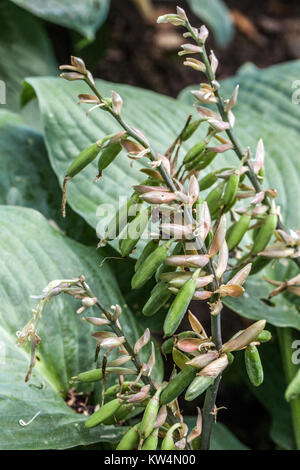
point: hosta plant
(198, 227)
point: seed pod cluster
(192, 256)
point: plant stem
(285, 336)
(208, 413)
(113, 325)
(200, 246)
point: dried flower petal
(233, 290)
(142, 341)
(213, 62)
(197, 261)
(245, 337)
(232, 101)
(215, 367)
(203, 359)
(219, 237)
(240, 277)
(193, 190)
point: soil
(144, 54)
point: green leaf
(84, 17)
(67, 131)
(222, 438)
(32, 254)
(27, 179)
(25, 50)
(216, 16)
(26, 176)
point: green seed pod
(189, 131)
(209, 238)
(114, 389)
(265, 234)
(149, 266)
(149, 416)
(177, 250)
(168, 441)
(119, 415)
(89, 376)
(293, 390)
(214, 198)
(231, 190)
(103, 413)
(195, 151)
(148, 249)
(207, 181)
(199, 201)
(179, 358)
(264, 336)
(151, 441)
(236, 232)
(198, 386)
(179, 305)
(95, 375)
(129, 440)
(108, 155)
(134, 229)
(160, 295)
(231, 205)
(171, 276)
(259, 264)
(188, 334)
(255, 232)
(253, 365)
(201, 161)
(121, 218)
(83, 159)
(167, 346)
(177, 384)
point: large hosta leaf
(27, 178)
(84, 17)
(32, 253)
(24, 48)
(216, 16)
(223, 439)
(67, 131)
